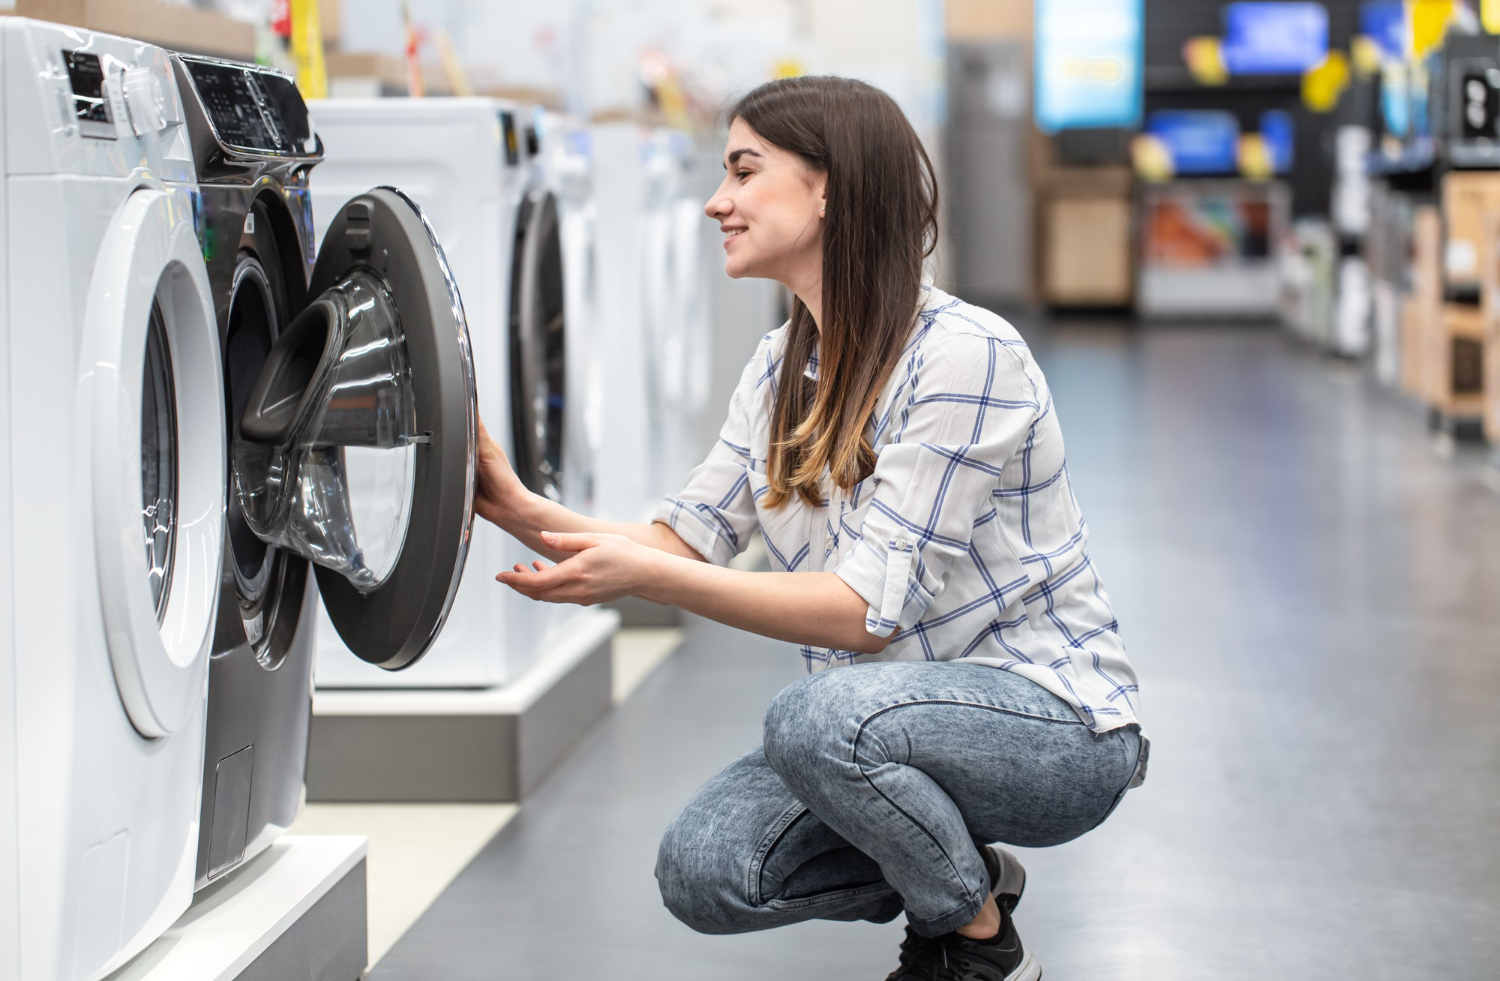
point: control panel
(252, 109)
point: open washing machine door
(538, 346)
(157, 438)
(357, 447)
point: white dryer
(112, 488)
(473, 166)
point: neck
(811, 295)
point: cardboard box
(1489, 308)
(179, 28)
(988, 20)
(1468, 196)
(1087, 257)
(1421, 313)
(1454, 363)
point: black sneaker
(936, 958)
(1007, 876)
(954, 957)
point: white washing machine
(350, 411)
(567, 170)
(112, 487)
(675, 295)
(473, 165)
(653, 325)
(625, 488)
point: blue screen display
(1262, 37)
(1279, 132)
(1200, 141)
(1384, 21)
(1089, 56)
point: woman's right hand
(498, 490)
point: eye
(742, 174)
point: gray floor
(1308, 585)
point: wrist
(517, 509)
(656, 576)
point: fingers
(569, 542)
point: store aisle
(1308, 588)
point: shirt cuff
(698, 525)
(884, 575)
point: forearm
(817, 609)
(528, 515)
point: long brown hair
(879, 227)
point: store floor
(1308, 583)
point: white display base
(485, 744)
(296, 910)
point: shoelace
(930, 953)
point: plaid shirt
(966, 537)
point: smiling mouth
(735, 233)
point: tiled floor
(1309, 589)
(416, 850)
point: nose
(719, 206)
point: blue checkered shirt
(965, 541)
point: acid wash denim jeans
(875, 789)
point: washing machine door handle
(357, 449)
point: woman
(899, 452)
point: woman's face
(768, 208)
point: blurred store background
(1255, 245)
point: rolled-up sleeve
(715, 512)
(970, 407)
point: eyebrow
(734, 156)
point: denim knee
(697, 890)
(797, 725)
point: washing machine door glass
(153, 388)
(538, 346)
(357, 447)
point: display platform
(487, 744)
(297, 910)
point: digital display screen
(86, 76)
(1274, 38)
(1479, 103)
(1385, 22)
(512, 142)
(252, 110)
(1089, 63)
(1201, 141)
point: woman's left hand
(601, 568)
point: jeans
(874, 791)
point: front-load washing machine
(566, 161)
(350, 410)
(625, 488)
(112, 488)
(674, 294)
(470, 164)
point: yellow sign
(1364, 51)
(1205, 60)
(1429, 21)
(1323, 84)
(1489, 15)
(1255, 158)
(1152, 159)
(307, 49)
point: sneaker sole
(1028, 970)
